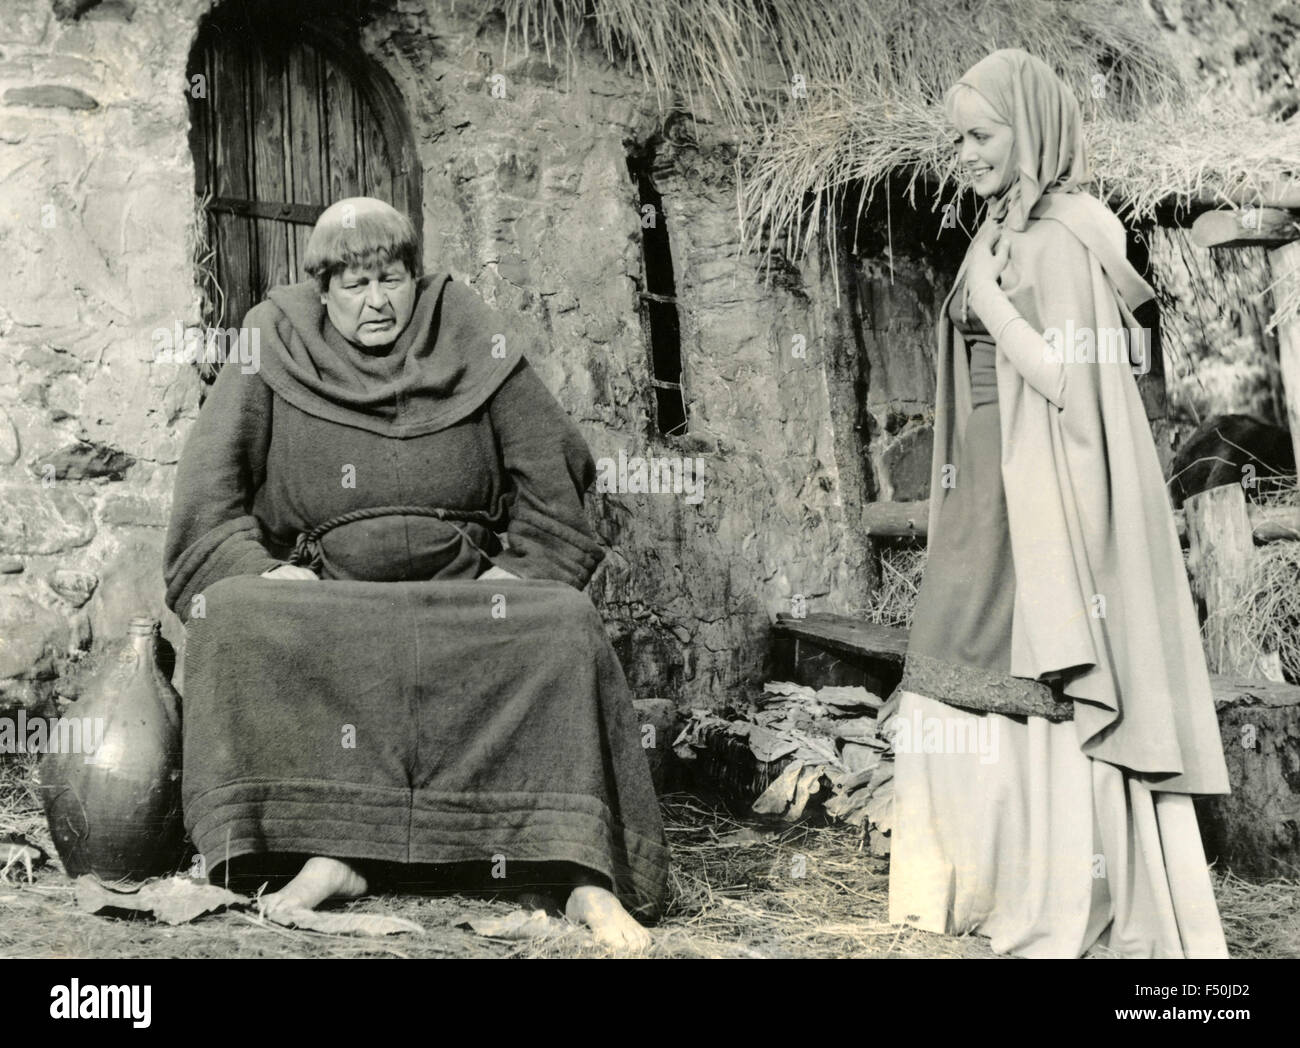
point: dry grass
(893, 601)
(738, 889)
(1266, 618)
(1277, 490)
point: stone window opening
(658, 300)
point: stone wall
(529, 200)
(94, 227)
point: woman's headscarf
(1048, 151)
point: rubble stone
(37, 519)
(50, 96)
(73, 586)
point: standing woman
(1055, 623)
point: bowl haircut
(376, 234)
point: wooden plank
(1285, 265)
(379, 107)
(200, 136)
(1251, 226)
(840, 633)
(400, 161)
(268, 164)
(340, 156)
(234, 238)
(306, 132)
(376, 167)
(201, 147)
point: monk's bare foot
(600, 911)
(320, 879)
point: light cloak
(1102, 597)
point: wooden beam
(1267, 523)
(303, 214)
(896, 520)
(1285, 266)
(910, 520)
(1283, 193)
(1248, 226)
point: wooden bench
(1252, 830)
(822, 648)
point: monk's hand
(495, 573)
(289, 571)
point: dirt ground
(738, 888)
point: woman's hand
(495, 573)
(289, 571)
(988, 257)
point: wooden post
(1286, 260)
(1222, 548)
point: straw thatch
(873, 74)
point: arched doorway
(287, 115)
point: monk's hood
(453, 355)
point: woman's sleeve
(1041, 365)
(213, 533)
(549, 468)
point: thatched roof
(875, 72)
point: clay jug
(116, 812)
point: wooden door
(287, 116)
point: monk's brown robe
(398, 710)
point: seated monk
(374, 680)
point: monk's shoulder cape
(1102, 596)
(454, 354)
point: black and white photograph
(678, 479)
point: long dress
(397, 710)
(1003, 826)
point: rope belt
(307, 551)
